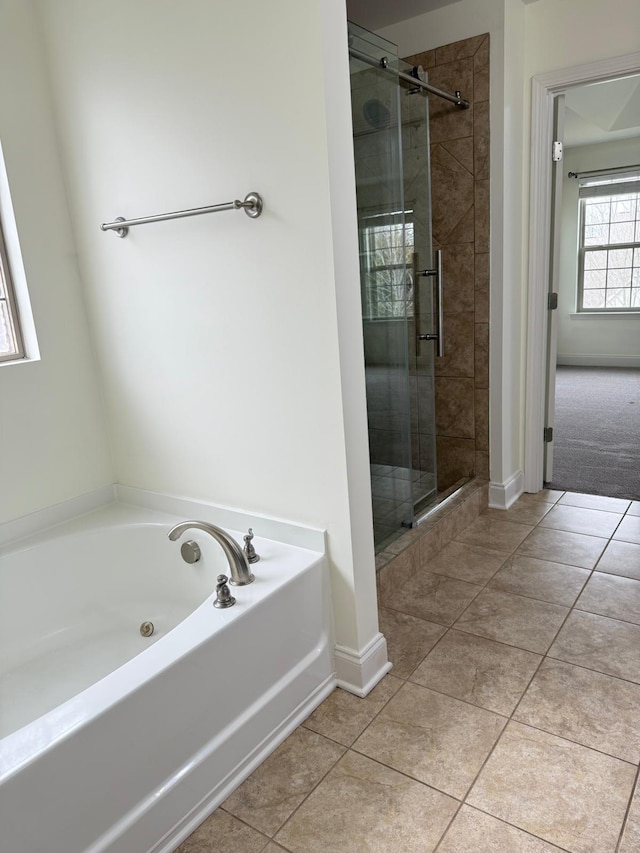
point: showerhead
(377, 114)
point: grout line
(605, 615)
(634, 789)
(518, 828)
(448, 827)
(595, 508)
(408, 775)
(591, 669)
(628, 761)
(581, 532)
(221, 808)
(505, 717)
(313, 788)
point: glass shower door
(385, 281)
(390, 137)
(414, 107)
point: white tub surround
(42, 519)
(227, 517)
(130, 742)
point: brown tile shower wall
(460, 201)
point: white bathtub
(113, 742)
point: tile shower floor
(511, 719)
(395, 491)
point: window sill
(599, 315)
(11, 362)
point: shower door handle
(438, 335)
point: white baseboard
(504, 495)
(599, 360)
(359, 672)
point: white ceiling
(603, 112)
(374, 14)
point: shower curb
(400, 561)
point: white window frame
(381, 223)
(601, 188)
(8, 299)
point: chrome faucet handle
(223, 593)
(248, 549)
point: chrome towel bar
(252, 206)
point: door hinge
(552, 301)
(548, 434)
(556, 151)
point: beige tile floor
(510, 722)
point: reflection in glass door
(391, 148)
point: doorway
(546, 89)
(595, 413)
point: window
(386, 247)
(609, 250)
(11, 346)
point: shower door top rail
(252, 206)
(383, 63)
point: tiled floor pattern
(510, 722)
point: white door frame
(544, 89)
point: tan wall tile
(481, 56)
(481, 300)
(464, 232)
(460, 49)
(482, 355)
(454, 407)
(482, 464)
(482, 216)
(480, 85)
(456, 460)
(481, 140)
(481, 408)
(459, 354)
(458, 270)
(452, 192)
(427, 59)
(462, 150)
(447, 121)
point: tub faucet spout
(238, 565)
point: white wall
(54, 444)
(228, 374)
(565, 33)
(587, 338)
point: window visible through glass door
(11, 344)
